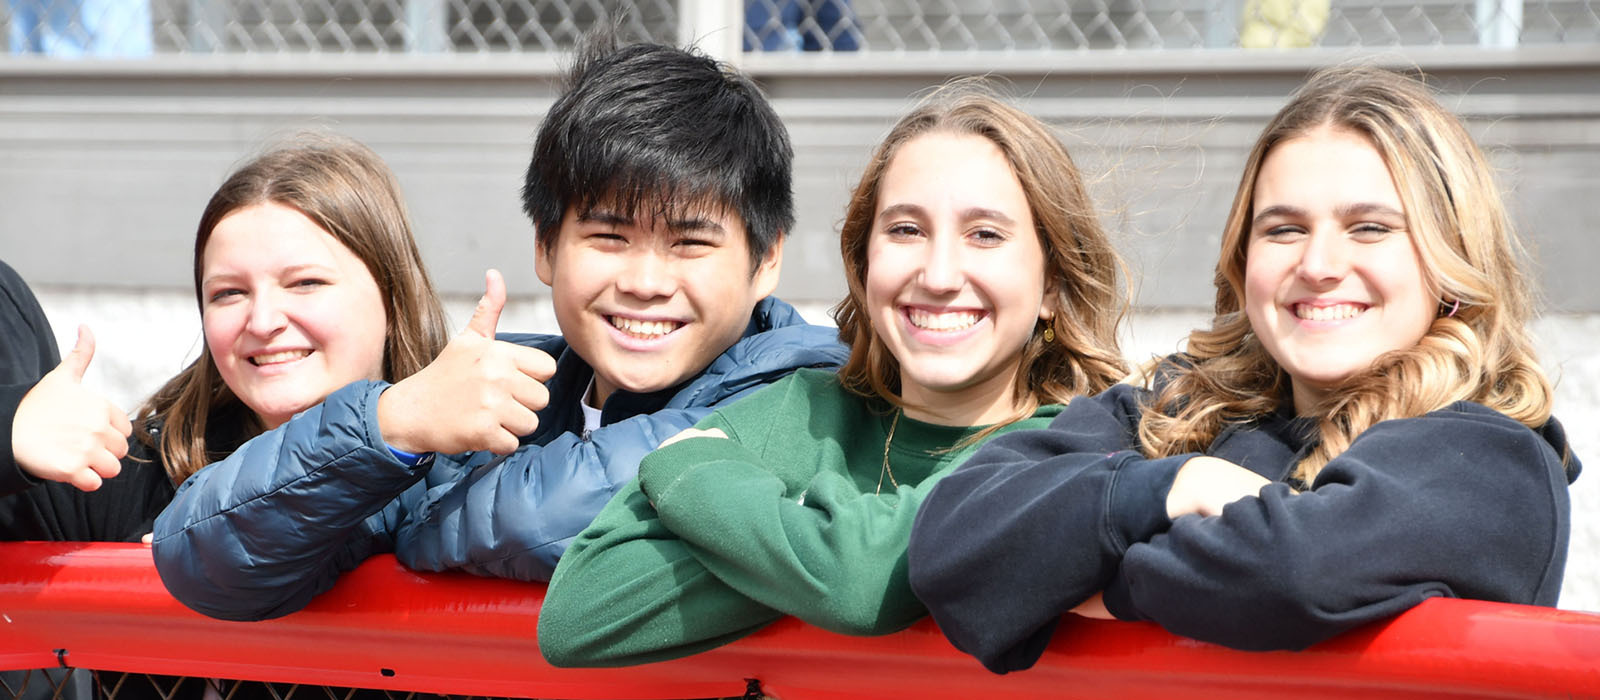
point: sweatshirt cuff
(1118, 599)
(364, 395)
(1138, 499)
(664, 468)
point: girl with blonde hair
(1363, 426)
(983, 294)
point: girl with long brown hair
(1363, 426)
(307, 278)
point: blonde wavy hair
(346, 189)
(1081, 266)
(1468, 251)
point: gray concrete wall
(108, 165)
(104, 169)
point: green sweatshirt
(785, 517)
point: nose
(1325, 257)
(267, 315)
(941, 270)
(647, 276)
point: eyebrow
(230, 275)
(696, 224)
(1344, 210)
(680, 224)
(1368, 208)
(600, 216)
(968, 214)
(1277, 211)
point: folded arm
(1461, 502)
(260, 533)
(513, 517)
(1026, 529)
(630, 592)
(834, 557)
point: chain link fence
(146, 27)
(85, 684)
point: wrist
(393, 426)
(669, 467)
(1140, 497)
(1183, 498)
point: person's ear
(1051, 299)
(765, 279)
(544, 261)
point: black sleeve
(1462, 502)
(123, 509)
(27, 352)
(12, 479)
(27, 345)
(1022, 532)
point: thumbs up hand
(65, 431)
(479, 394)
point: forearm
(1045, 535)
(629, 592)
(261, 532)
(12, 478)
(835, 558)
(514, 517)
(1449, 504)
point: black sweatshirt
(1461, 502)
(123, 509)
(27, 352)
(125, 506)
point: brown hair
(1468, 252)
(1081, 266)
(346, 189)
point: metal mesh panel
(80, 684)
(142, 27)
(83, 684)
(1031, 25)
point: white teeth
(643, 329)
(943, 321)
(273, 358)
(1336, 312)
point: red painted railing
(102, 606)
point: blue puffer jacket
(261, 533)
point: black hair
(646, 125)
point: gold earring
(1049, 334)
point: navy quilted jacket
(261, 533)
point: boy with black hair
(660, 193)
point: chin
(648, 387)
(285, 409)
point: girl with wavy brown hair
(307, 278)
(1363, 426)
(983, 295)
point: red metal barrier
(103, 607)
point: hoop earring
(1454, 307)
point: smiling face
(650, 303)
(955, 277)
(1332, 276)
(289, 313)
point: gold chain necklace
(886, 470)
